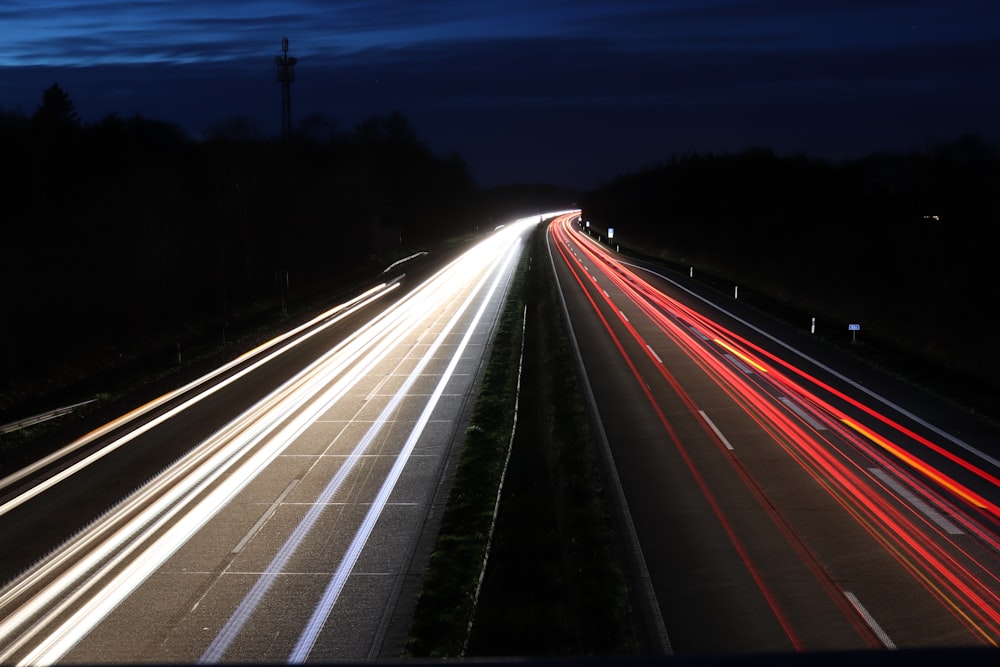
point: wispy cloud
(510, 75)
(72, 32)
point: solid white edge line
(884, 401)
(638, 558)
(870, 620)
(499, 496)
(331, 594)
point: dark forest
(122, 238)
(902, 244)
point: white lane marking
(209, 468)
(840, 376)
(624, 316)
(716, 429)
(699, 333)
(264, 517)
(227, 635)
(914, 500)
(806, 417)
(336, 584)
(377, 389)
(655, 355)
(739, 364)
(870, 620)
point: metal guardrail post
(10, 427)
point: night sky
(571, 92)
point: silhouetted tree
(900, 242)
(125, 237)
(56, 109)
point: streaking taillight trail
(867, 461)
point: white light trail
(322, 611)
(76, 587)
(335, 315)
(231, 630)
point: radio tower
(286, 74)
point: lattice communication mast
(286, 74)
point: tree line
(123, 235)
(900, 243)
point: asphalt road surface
(782, 499)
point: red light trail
(850, 457)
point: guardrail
(39, 418)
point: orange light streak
(940, 478)
(732, 350)
(973, 601)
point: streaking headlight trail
(53, 607)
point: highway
(277, 530)
(780, 501)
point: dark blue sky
(564, 91)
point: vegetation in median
(554, 584)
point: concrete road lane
(235, 551)
(312, 556)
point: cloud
(600, 84)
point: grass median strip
(554, 584)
